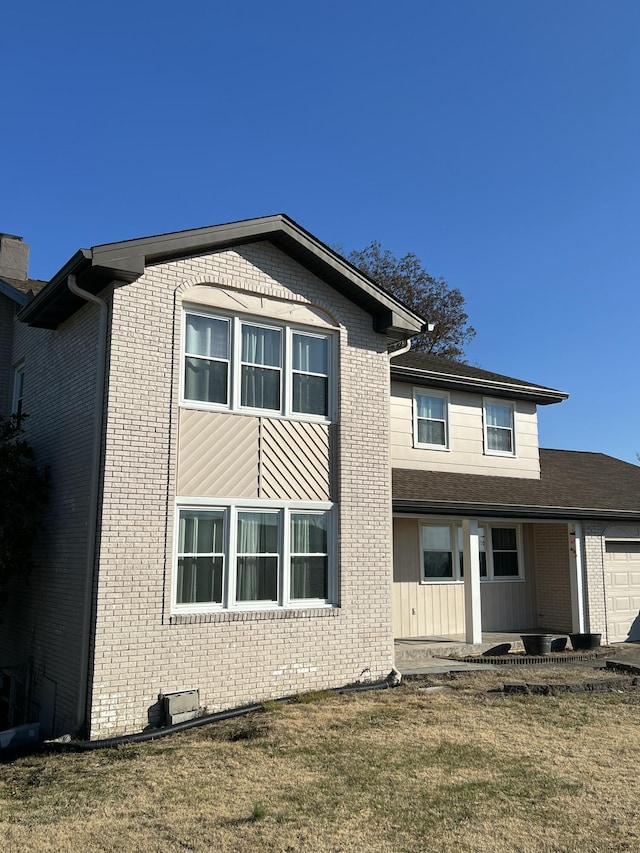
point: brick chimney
(14, 257)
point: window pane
(499, 439)
(199, 580)
(309, 577)
(498, 415)
(207, 336)
(206, 381)
(257, 579)
(505, 564)
(260, 388)
(430, 407)
(310, 354)
(431, 432)
(201, 532)
(257, 533)
(504, 539)
(261, 346)
(438, 564)
(436, 538)
(309, 394)
(308, 533)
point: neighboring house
(553, 535)
(214, 408)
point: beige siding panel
(466, 454)
(421, 610)
(508, 606)
(235, 300)
(217, 455)
(295, 461)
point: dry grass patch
(391, 771)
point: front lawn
(396, 770)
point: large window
(499, 432)
(251, 557)
(443, 559)
(430, 419)
(243, 365)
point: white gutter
(94, 497)
(401, 350)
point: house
(551, 537)
(214, 409)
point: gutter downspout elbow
(94, 497)
(401, 350)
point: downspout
(401, 350)
(94, 497)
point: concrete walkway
(432, 655)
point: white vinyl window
(443, 558)
(499, 430)
(430, 419)
(242, 365)
(248, 557)
(18, 389)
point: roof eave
(13, 293)
(435, 379)
(126, 261)
(488, 510)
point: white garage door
(622, 562)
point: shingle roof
(572, 484)
(29, 285)
(442, 373)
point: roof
(425, 368)
(20, 289)
(126, 261)
(572, 484)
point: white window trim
(490, 401)
(17, 392)
(444, 395)
(286, 367)
(231, 508)
(487, 525)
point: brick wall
(233, 658)
(553, 583)
(594, 582)
(40, 629)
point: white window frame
(17, 394)
(287, 330)
(506, 404)
(457, 556)
(445, 397)
(284, 510)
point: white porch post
(576, 577)
(471, 556)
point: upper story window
(499, 430)
(243, 365)
(430, 419)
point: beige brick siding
(140, 649)
(41, 627)
(594, 579)
(553, 583)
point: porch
(432, 654)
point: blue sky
(498, 140)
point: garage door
(622, 562)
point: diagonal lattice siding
(218, 455)
(295, 461)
